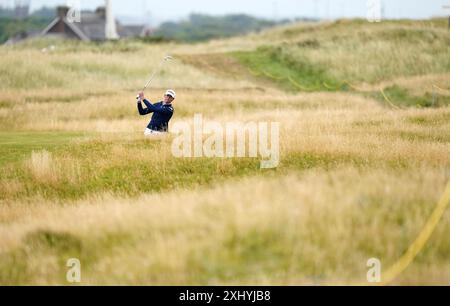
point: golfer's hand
(141, 96)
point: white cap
(171, 93)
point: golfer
(162, 113)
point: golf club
(166, 58)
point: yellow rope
(293, 82)
(273, 77)
(442, 89)
(329, 87)
(254, 73)
(388, 100)
(353, 86)
(396, 269)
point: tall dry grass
(357, 179)
(315, 228)
(41, 166)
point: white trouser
(151, 133)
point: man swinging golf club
(162, 113)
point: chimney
(62, 11)
(101, 12)
(110, 27)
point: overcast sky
(161, 10)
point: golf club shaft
(149, 81)
(154, 74)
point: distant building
(92, 26)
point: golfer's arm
(143, 111)
(155, 109)
(150, 106)
(160, 109)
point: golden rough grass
(320, 124)
(41, 166)
(46, 169)
(313, 226)
(351, 206)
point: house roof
(92, 27)
(76, 31)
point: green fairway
(14, 146)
